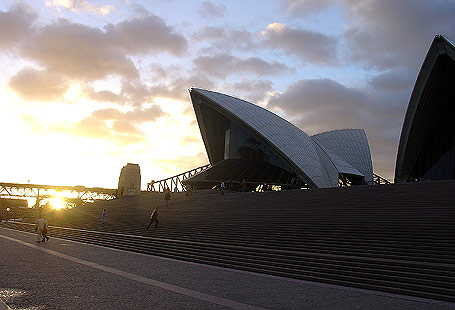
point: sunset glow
(57, 203)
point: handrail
(174, 183)
(378, 180)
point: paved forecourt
(62, 274)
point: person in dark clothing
(222, 188)
(154, 218)
(103, 216)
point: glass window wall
(242, 145)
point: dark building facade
(427, 143)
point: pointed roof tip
(445, 39)
(205, 93)
(197, 89)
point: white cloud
(81, 6)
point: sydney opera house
(427, 144)
(247, 142)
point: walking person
(40, 224)
(103, 216)
(167, 196)
(154, 218)
(222, 188)
(243, 185)
(46, 226)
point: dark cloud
(305, 7)
(15, 25)
(210, 33)
(226, 39)
(103, 96)
(36, 85)
(113, 124)
(223, 65)
(389, 38)
(72, 51)
(178, 88)
(135, 93)
(322, 105)
(209, 9)
(78, 51)
(136, 116)
(392, 81)
(310, 46)
(147, 33)
(388, 34)
(251, 90)
(160, 72)
(306, 96)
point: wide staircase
(393, 238)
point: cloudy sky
(88, 86)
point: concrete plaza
(62, 274)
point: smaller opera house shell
(427, 143)
(247, 142)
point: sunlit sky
(88, 86)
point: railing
(174, 184)
(378, 180)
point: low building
(129, 182)
(12, 208)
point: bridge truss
(70, 194)
(174, 184)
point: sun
(57, 203)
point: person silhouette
(154, 218)
(103, 216)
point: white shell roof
(348, 150)
(292, 142)
(319, 158)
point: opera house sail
(426, 149)
(247, 142)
